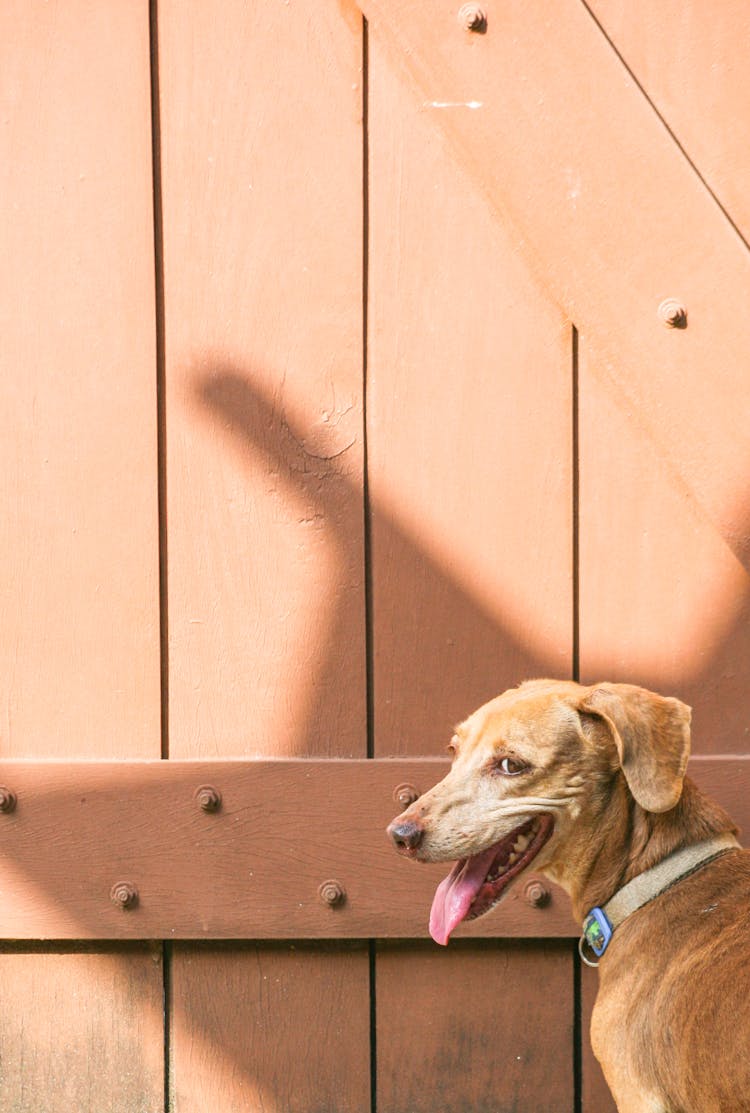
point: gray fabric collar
(600, 923)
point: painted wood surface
(469, 437)
(480, 194)
(617, 222)
(82, 1030)
(79, 664)
(295, 1038)
(243, 871)
(469, 424)
(78, 503)
(261, 162)
(484, 1044)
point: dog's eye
(452, 747)
(510, 766)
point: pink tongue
(454, 895)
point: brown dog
(589, 784)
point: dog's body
(589, 784)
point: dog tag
(597, 931)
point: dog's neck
(626, 840)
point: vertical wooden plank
(78, 500)
(82, 1030)
(262, 185)
(469, 438)
(469, 413)
(291, 1039)
(489, 1042)
(262, 201)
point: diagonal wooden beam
(610, 214)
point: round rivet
(536, 894)
(208, 797)
(405, 794)
(472, 17)
(8, 799)
(672, 313)
(123, 894)
(332, 893)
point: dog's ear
(652, 736)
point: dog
(589, 784)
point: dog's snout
(406, 836)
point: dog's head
(532, 772)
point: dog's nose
(406, 836)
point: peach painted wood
(261, 158)
(469, 436)
(659, 571)
(690, 61)
(617, 221)
(475, 1027)
(78, 498)
(664, 600)
(79, 663)
(82, 1030)
(261, 155)
(296, 1037)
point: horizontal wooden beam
(132, 850)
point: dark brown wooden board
(281, 1026)
(479, 1026)
(82, 1029)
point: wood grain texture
(82, 1031)
(469, 437)
(262, 182)
(251, 870)
(296, 1036)
(78, 501)
(459, 1029)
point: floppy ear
(652, 736)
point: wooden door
(339, 395)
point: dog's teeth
(513, 857)
(521, 843)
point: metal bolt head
(8, 799)
(405, 794)
(124, 894)
(472, 17)
(332, 893)
(536, 894)
(208, 798)
(672, 313)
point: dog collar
(600, 923)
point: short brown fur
(671, 1025)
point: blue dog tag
(597, 931)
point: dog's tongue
(454, 895)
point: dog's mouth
(476, 884)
